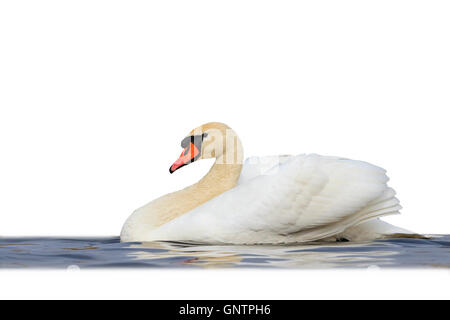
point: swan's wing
(256, 166)
(306, 198)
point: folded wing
(302, 198)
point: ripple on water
(109, 252)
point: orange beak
(188, 155)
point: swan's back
(256, 166)
(300, 198)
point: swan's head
(211, 140)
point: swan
(267, 200)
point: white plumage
(284, 199)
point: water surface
(110, 253)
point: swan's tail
(377, 229)
(370, 227)
(386, 204)
(360, 226)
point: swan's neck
(224, 174)
(221, 177)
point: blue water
(86, 253)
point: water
(83, 253)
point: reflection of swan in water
(196, 256)
(292, 199)
(313, 255)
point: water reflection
(109, 252)
(298, 256)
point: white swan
(279, 199)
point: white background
(95, 97)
